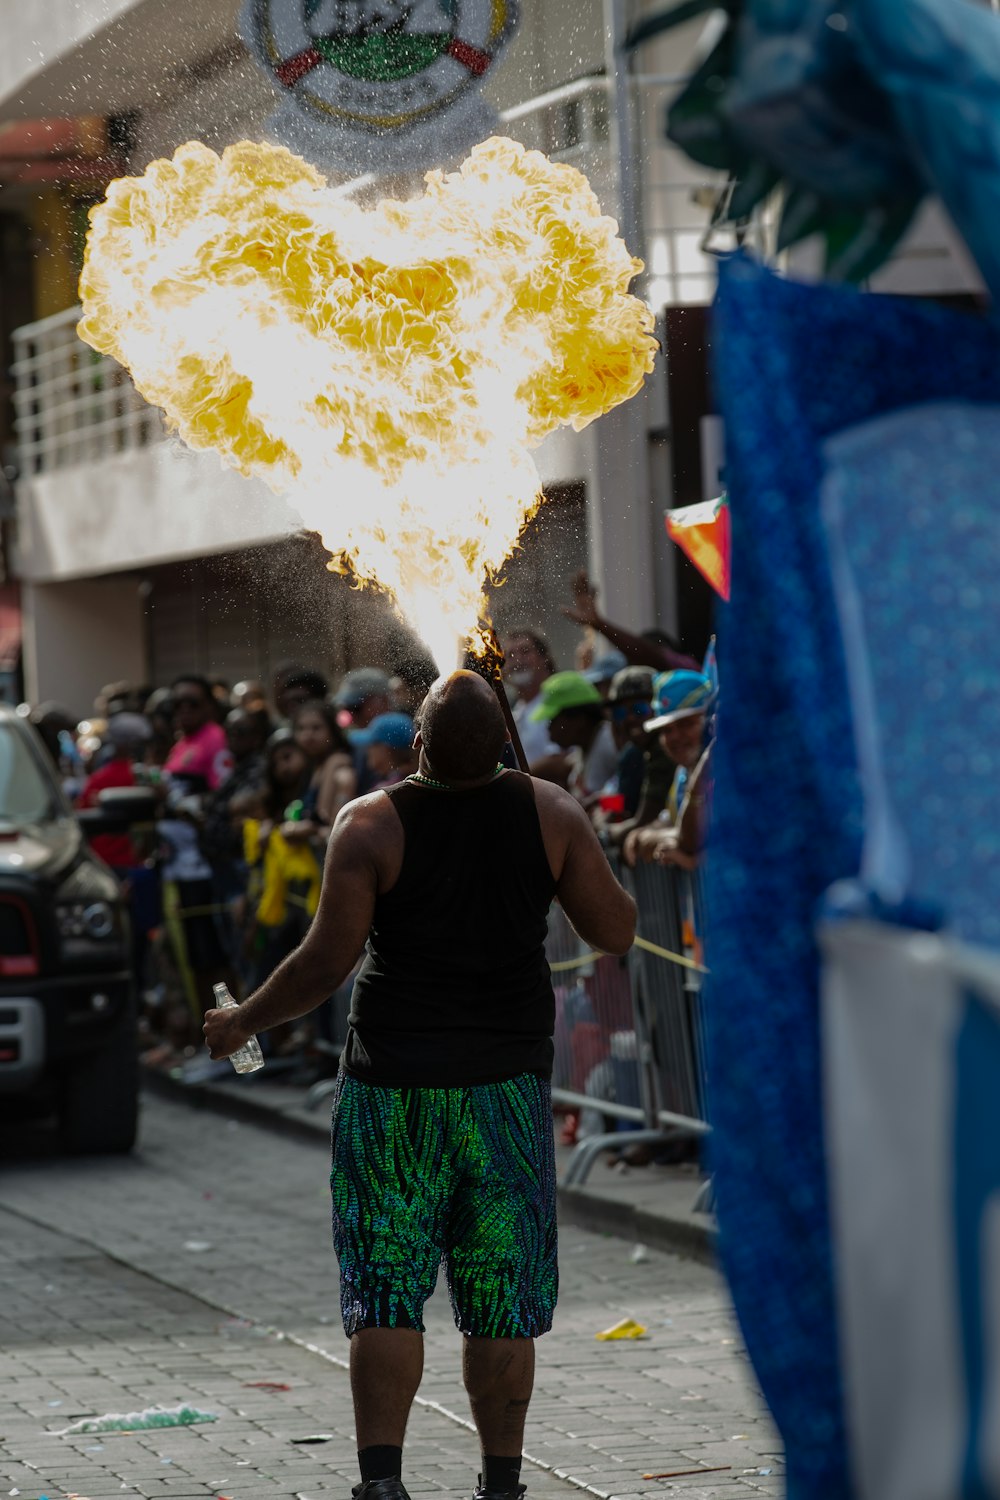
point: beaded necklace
(442, 786)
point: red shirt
(116, 849)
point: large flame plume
(387, 370)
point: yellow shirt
(290, 874)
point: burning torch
(487, 662)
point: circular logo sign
(379, 65)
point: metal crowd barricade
(670, 922)
(628, 1038)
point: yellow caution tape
(561, 965)
(675, 958)
(291, 899)
(175, 930)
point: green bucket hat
(565, 690)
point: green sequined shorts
(460, 1175)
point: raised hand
(584, 607)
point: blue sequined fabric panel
(912, 501)
(793, 365)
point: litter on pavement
(680, 1473)
(625, 1328)
(140, 1421)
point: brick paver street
(203, 1264)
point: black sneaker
(380, 1489)
(481, 1493)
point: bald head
(462, 727)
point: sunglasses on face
(622, 711)
(188, 702)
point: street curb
(680, 1235)
(241, 1106)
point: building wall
(931, 260)
(50, 216)
(79, 636)
(536, 583)
(16, 308)
(238, 614)
(558, 40)
(36, 35)
(105, 57)
(227, 102)
(162, 507)
(228, 98)
(152, 505)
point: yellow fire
(386, 370)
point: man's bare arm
(693, 818)
(600, 910)
(331, 948)
(553, 767)
(635, 648)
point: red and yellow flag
(702, 533)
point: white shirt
(184, 859)
(591, 773)
(534, 737)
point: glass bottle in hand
(249, 1057)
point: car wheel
(99, 1103)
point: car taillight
(18, 940)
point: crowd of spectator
(627, 731)
(247, 784)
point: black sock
(381, 1462)
(501, 1474)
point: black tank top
(455, 987)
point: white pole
(622, 542)
(623, 132)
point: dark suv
(67, 1008)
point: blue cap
(678, 695)
(362, 683)
(394, 730)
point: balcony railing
(73, 406)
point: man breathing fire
(442, 1125)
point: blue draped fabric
(794, 365)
